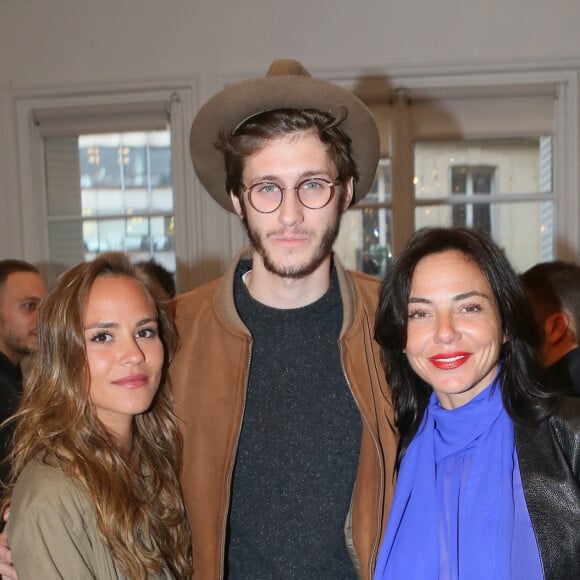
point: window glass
(468, 167)
(365, 238)
(123, 182)
(524, 230)
(501, 186)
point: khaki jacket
(53, 530)
(210, 375)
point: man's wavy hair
(138, 502)
(254, 133)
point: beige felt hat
(287, 85)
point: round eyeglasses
(313, 193)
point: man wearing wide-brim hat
(288, 437)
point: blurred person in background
(554, 292)
(161, 274)
(21, 290)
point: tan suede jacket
(210, 375)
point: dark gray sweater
(298, 450)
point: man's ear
(348, 193)
(237, 205)
(556, 327)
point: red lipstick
(448, 361)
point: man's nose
(291, 211)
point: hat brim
(232, 106)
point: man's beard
(297, 270)
(17, 344)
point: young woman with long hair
(94, 488)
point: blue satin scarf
(454, 510)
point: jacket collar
(226, 308)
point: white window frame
(207, 236)
(83, 110)
(398, 86)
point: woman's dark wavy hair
(252, 135)
(520, 383)
(138, 503)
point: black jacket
(549, 460)
(564, 374)
(10, 393)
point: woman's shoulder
(41, 485)
(41, 474)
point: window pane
(100, 165)
(525, 230)
(134, 165)
(380, 191)
(97, 202)
(119, 187)
(137, 235)
(365, 238)
(458, 180)
(136, 201)
(126, 173)
(162, 199)
(160, 166)
(162, 233)
(502, 166)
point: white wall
(47, 46)
(69, 42)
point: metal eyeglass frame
(296, 188)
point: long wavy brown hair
(138, 502)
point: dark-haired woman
(489, 464)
